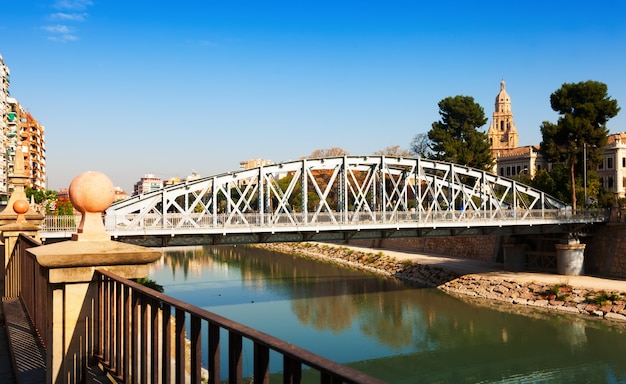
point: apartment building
(148, 183)
(19, 130)
(612, 167)
(32, 139)
(4, 95)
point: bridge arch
(331, 191)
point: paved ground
(6, 365)
(496, 270)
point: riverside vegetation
(557, 297)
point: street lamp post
(585, 171)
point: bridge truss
(327, 194)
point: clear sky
(167, 87)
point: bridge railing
(146, 336)
(199, 221)
(142, 335)
(25, 278)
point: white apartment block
(4, 95)
(148, 183)
(19, 130)
(612, 167)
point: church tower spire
(502, 133)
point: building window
(501, 171)
(624, 182)
(601, 164)
(623, 162)
(508, 171)
(610, 182)
(609, 163)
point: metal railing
(25, 278)
(197, 222)
(145, 336)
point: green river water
(391, 330)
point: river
(391, 330)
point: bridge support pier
(570, 257)
(514, 256)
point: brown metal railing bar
(214, 354)
(179, 349)
(166, 339)
(99, 346)
(119, 321)
(106, 333)
(125, 371)
(292, 370)
(344, 373)
(235, 349)
(134, 348)
(154, 353)
(143, 355)
(196, 349)
(261, 364)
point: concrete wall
(486, 248)
(605, 252)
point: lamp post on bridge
(585, 171)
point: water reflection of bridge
(338, 198)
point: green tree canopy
(456, 138)
(584, 110)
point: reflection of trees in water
(326, 296)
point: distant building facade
(254, 163)
(612, 167)
(33, 143)
(148, 183)
(4, 115)
(510, 159)
(19, 130)
(502, 133)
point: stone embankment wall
(605, 253)
(562, 297)
(483, 248)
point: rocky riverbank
(557, 297)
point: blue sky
(135, 87)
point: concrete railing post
(72, 292)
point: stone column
(570, 257)
(72, 293)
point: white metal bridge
(330, 199)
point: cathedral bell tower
(502, 133)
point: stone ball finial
(21, 207)
(91, 193)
